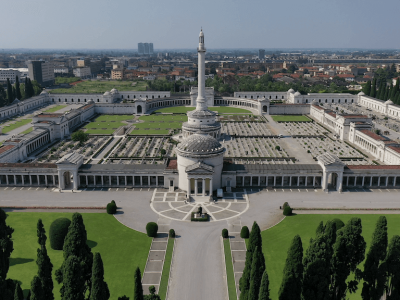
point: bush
(287, 211)
(112, 208)
(151, 229)
(244, 233)
(171, 233)
(284, 205)
(58, 232)
(225, 234)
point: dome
(43, 92)
(201, 113)
(389, 102)
(315, 102)
(113, 91)
(297, 94)
(90, 101)
(106, 93)
(361, 94)
(200, 144)
(291, 91)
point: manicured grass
(276, 241)
(107, 124)
(149, 132)
(229, 271)
(55, 108)
(158, 124)
(16, 125)
(219, 109)
(290, 118)
(167, 266)
(90, 87)
(122, 249)
(114, 117)
(27, 131)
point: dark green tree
(392, 267)
(292, 280)
(152, 295)
(124, 297)
(254, 242)
(18, 294)
(257, 271)
(26, 87)
(17, 89)
(99, 289)
(320, 228)
(348, 253)
(138, 292)
(374, 274)
(367, 88)
(264, 289)
(45, 267)
(6, 248)
(73, 287)
(373, 88)
(36, 289)
(80, 136)
(9, 92)
(75, 245)
(317, 269)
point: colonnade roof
(121, 168)
(297, 169)
(28, 165)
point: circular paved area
(172, 205)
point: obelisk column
(201, 96)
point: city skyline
(231, 25)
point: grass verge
(229, 270)
(8, 127)
(55, 108)
(27, 131)
(291, 118)
(167, 267)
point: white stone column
(189, 188)
(290, 180)
(195, 187)
(23, 181)
(363, 180)
(45, 179)
(211, 186)
(76, 180)
(274, 180)
(203, 188)
(339, 182)
(313, 181)
(355, 180)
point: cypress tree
(254, 242)
(317, 269)
(397, 98)
(73, 280)
(75, 245)
(386, 97)
(9, 92)
(138, 293)
(31, 91)
(257, 271)
(6, 245)
(392, 267)
(45, 267)
(367, 88)
(374, 276)
(99, 289)
(348, 253)
(373, 88)
(26, 88)
(320, 228)
(292, 280)
(17, 89)
(18, 294)
(36, 289)
(264, 289)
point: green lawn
(229, 270)
(158, 124)
(276, 241)
(122, 249)
(219, 109)
(290, 118)
(55, 108)
(107, 124)
(27, 131)
(167, 266)
(8, 127)
(90, 87)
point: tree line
(379, 89)
(329, 268)
(81, 274)
(19, 91)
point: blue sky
(100, 24)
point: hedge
(151, 229)
(244, 233)
(171, 233)
(112, 208)
(287, 211)
(58, 232)
(225, 234)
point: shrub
(244, 233)
(58, 232)
(287, 211)
(225, 234)
(284, 205)
(171, 233)
(112, 208)
(151, 229)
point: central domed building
(200, 156)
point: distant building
(82, 72)
(11, 73)
(41, 71)
(145, 48)
(117, 73)
(150, 48)
(140, 48)
(61, 70)
(83, 62)
(261, 54)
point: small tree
(153, 295)
(112, 208)
(151, 229)
(58, 232)
(287, 211)
(138, 292)
(171, 233)
(99, 289)
(244, 233)
(80, 136)
(225, 234)
(264, 288)
(163, 152)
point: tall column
(189, 188)
(274, 180)
(45, 179)
(211, 186)
(290, 180)
(76, 180)
(117, 180)
(355, 180)
(298, 180)
(313, 182)
(23, 181)
(126, 182)
(102, 180)
(203, 188)
(195, 187)
(363, 178)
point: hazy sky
(176, 23)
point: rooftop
(6, 148)
(373, 135)
(27, 166)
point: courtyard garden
(107, 124)
(96, 87)
(122, 249)
(158, 124)
(219, 109)
(305, 226)
(291, 118)
(55, 108)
